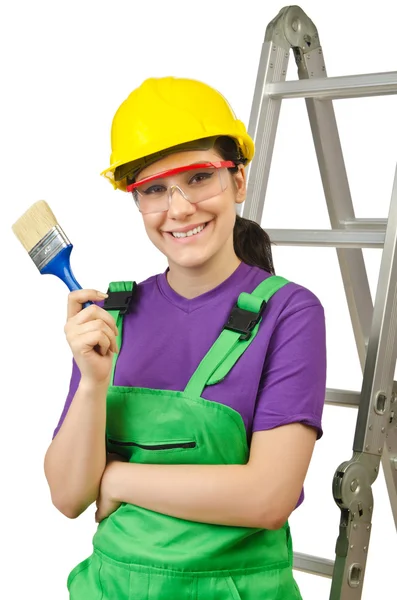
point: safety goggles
(195, 183)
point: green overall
(139, 554)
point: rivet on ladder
(354, 485)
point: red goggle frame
(204, 165)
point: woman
(197, 402)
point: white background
(66, 67)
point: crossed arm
(262, 493)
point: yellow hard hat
(167, 112)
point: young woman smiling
(194, 404)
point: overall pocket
(148, 451)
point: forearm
(76, 459)
(219, 494)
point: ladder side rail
(389, 457)
(264, 116)
(339, 202)
(262, 128)
(282, 33)
(352, 485)
(370, 436)
(376, 429)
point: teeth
(188, 233)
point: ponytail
(251, 243)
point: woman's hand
(91, 334)
(106, 503)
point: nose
(179, 205)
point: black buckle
(119, 301)
(244, 321)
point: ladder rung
(313, 564)
(350, 86)
(342, 398)
(336, 238)
(372, 224)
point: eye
(154, 189)
(200, 177)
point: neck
(191, 282)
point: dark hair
(251, 243)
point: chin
(194, 261)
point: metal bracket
(352, 484)
(353, 494)
(292, 28)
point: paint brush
(46, 243)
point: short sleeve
(73, 385)
(293, 382)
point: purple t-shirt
(279, 379)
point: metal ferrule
(48, 247)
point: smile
(188, 233)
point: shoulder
(145, 286)
(149, 282)
(294, 298)
(289, 299)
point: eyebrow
(165, 170)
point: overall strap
(238, 333)
(117, 304)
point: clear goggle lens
(195, 183)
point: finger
(77, 298)
(99, 326)
(85, 343)
(91, 314)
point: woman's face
(217, 214)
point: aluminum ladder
(374, 326)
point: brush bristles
(34, 224)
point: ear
(241, 184)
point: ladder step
(377, 224)
(350, 86)
(335, 238)
(342, 398)
(313, 564)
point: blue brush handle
(60, 267)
